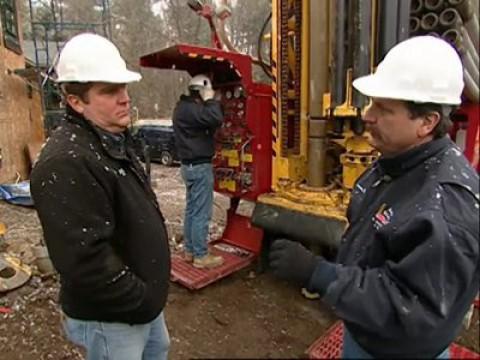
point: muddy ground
(247, 315)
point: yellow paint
(228, 153)
(247, 158)
(325, 203)
(229, 185)
(233, 162)
(289, 170)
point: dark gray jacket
(194, 123)
(408, 265)
(102, 225)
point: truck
(289, 152)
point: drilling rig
(296, 146)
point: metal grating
(329, 346)
(192, 278)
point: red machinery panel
(466, 130)
(330, 346)
(243, 156)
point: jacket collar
(399, 164)
(115, 145)
(190, 98)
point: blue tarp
(17, 194)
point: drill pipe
(450, 18)
(416, 7)
(468, 45)
(471, 26)
(434, 5)
(465, 7)
(361, 47)
(387, 27)
(429, 21)
(338, 68)
(471, 88)
(414, 25)
(470, 62)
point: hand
(207, 94)
(291, 261)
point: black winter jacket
(194, 124)
(102, 225)
(408, 265)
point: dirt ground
(246, 315)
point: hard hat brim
(374, 86)
(124, 78)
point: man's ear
(76, 103)
(429, 122)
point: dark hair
(423, 109)
(77, 89)
(194, 91)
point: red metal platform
(329, 346)
(185, 274)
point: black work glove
(291, 261)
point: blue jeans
(198, 181)
(118, 341)
(352, 350)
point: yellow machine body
(305, 123)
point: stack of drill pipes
(462, 24)
(416, 9)
(468, 11)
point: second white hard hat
(422, 69)
(200, 82)
(89, 57)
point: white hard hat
(200, 82)
(422, 69)
(89, 57)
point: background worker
(195, 120)
(101, 221)
(407, 269)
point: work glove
(291, 261)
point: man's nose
(123, 95)
(367, 115)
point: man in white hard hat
(101, 221)
(195, 120)
(407, 269)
